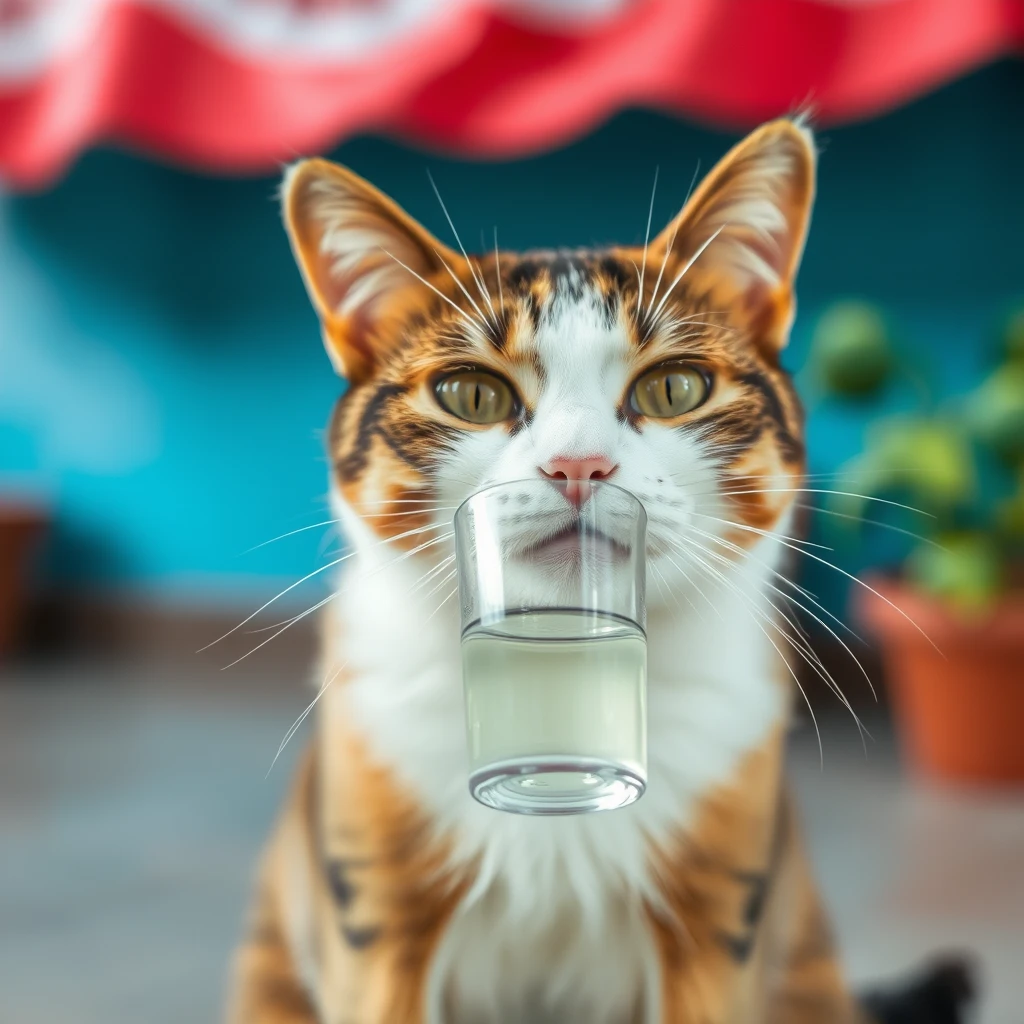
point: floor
(131, 810)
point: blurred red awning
(241, 85)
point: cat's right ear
(350, 242)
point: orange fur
(353, 865)
(359, 884)
(735, 880)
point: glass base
(556, 785)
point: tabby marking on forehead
(562, 316)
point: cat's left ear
(751, 213)
(362, 257)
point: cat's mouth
(569, 542)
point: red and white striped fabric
(240, 85)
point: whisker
(692, 318)
(296, 725)
(842, 494)
(806, 650)
(736, 477)
(675, 322)
(664, 263)
(432, 573)
(497, 271)
(663, 588)
(870, 522)
(290, 533)
(447, 578)
(284, 628)
(752, 529)
(393, 501)
(472, 321)
(485, 291)
(486, 295)
(464, 290)
(336, 593)
(824, 625)
(442, 604)
(803, 593)
(693, 259)
(249, 618)
(636, 270)
(689, 580)
(672, 240)
(275, 625)
(328, 681)
(802, 646)
(785, 661)
(647, 238)
(308, 576)
(830, 565)
(410, 512)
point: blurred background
(163, 392)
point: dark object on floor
(22, 527)
(940, 994)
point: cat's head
(654, 367)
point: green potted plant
(950, 622)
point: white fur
(552, 930)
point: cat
(387, 895)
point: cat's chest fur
(565, 963)
(553, 923)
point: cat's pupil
(668, 389)
(476, 397)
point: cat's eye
(669, 391)
(476, 396)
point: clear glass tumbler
(554, 653)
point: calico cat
(386, 894)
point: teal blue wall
(161, 374)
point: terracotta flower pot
(961, 711)
(21, 529)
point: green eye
(669, 391)
(476, 396)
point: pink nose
(574, 475)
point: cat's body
(387, 895)
(550, 900)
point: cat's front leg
(719, 878)
(758, 971)
(266, 988)
(272, 978)
(806, 983)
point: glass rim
(512, 612)
(600, 484)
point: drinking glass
(554, 653)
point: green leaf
(1013, 337)
(965, 571)
(995, 412)
(851, 354)
(927, 460)
(1010, 512)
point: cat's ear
(751, 213)
(350, 242)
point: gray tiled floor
(131, 809)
